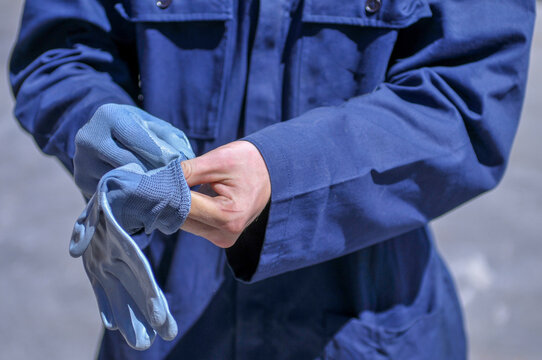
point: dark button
(162, 4)
(372, 6)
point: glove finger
(84, 228)
(171, 137)
(162, 130)
(170, 151)
(95, 157)
(151, 306)
(151, 302)
(103, 304)
(130, 321)
(118, 154)
(132, 135)
(168, 331)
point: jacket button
(372, 6)
(162, 4)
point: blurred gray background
(47, 309)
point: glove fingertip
(170, 329)
(144, 337)
(156, 312)
(108, 323)
(142, 343)
(80, 239)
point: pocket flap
(392, 13)
(177, 10)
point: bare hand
(238, 177)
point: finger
(203, 169)
(208, 210)
(218, 237)
(198, 228)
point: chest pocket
(182, 50)
(345, 47)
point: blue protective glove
(154, 200)
(128, 296)
(117, 135)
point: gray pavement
(47, 309)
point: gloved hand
(128, 296)
(154, 200)
(117, 135)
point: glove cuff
(168, 199)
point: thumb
(202, 170)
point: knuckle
(227, 157)
(230, 162)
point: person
(331, 132)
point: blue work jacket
(373, 117)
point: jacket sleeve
(435, 134)
(68, 60)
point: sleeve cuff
(256, 255)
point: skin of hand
(241, 188)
